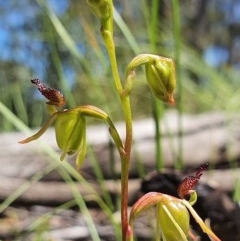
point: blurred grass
(200, 87)
(68, 174)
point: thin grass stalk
(126, 32)
(65, 170)
(110, 215)
(158, 110)
(46, 216)
(82, 205)
(19, 103)
(71, 45)
(177, 55)
(58, 65)
(100, 179)
(157, 106)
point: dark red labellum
(54, 96)
(190, 182)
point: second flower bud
(160, 73)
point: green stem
(158, 108)
(125, 156)
(110, 46)
(154, 24)
(177, 48)
(125, 165)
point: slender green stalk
(126, 32)
(24, 186)
(157, 106)
(13, 119)
(47, 216)
(158, 110)
(65, 169)
(110, 46)
(71, 45)
(154, 24)
(125, 156)
(177, 47)
(104, 206)
(82, 206)
(100, 179)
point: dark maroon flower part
(54, 96)
(190, 182)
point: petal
(148, 200)
(41, 131)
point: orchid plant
(70, 130)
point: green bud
(174, 220)
(70, 130)
(160, 73)
(101, 8)
(161, 78)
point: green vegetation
(74, 46)
(74, 60)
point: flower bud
(101, 8)
(70, 130)
(160, 73)
(161, 78)
(174, 219)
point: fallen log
(210, 137)
(31, 173)
(55, 193)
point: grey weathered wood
(213, 137)
(55, 192)
(206, 137)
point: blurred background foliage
(58, 41)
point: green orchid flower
(173, 222)
(160, 74)
(70, 125)
(70, 131)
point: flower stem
(125, 156)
